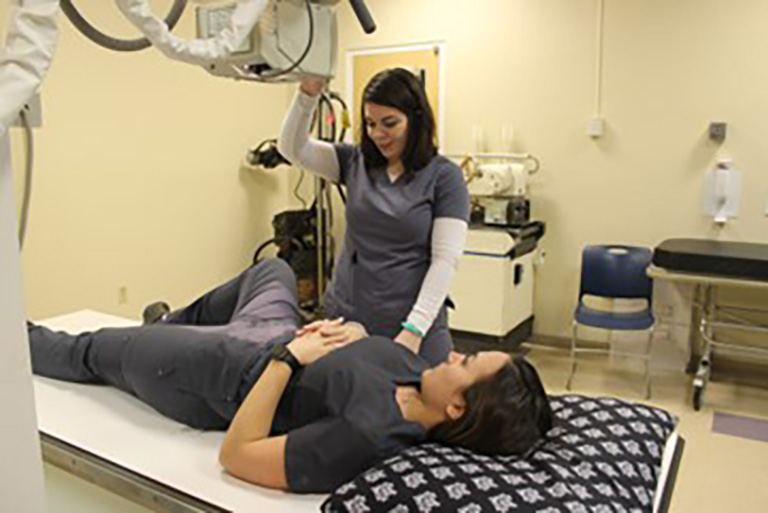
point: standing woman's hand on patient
(410, 340)
(312, 86)
(313, 345)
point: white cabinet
(493, 288)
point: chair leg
(574, 340)
(648, 363)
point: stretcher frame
(708, 316)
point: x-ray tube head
(292, 38)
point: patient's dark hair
(400, 89)
(507, 413)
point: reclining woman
(306, 412)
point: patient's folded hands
(310, 346)
(315, 326)
(336, 329)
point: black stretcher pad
(718, 258)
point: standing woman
(407, 212)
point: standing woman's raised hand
(312, 85)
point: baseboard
(724, 369)
(470, 341)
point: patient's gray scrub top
(387, 246)
(341, 415)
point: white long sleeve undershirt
(448, 234)
(448, 237)
(296, 146)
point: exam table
(114, 441)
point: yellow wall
(138, 181)
(669, 69)
(5, 9)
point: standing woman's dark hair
(400, 89)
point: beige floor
(718, 473)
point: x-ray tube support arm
(224, 45)
(30, 42)
(24, 60)
(194, 51)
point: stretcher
(709, 265)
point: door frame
(441, 62)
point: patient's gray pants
(190, 367)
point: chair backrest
(616, 271)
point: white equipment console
(493, 288)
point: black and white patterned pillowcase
(603, 456)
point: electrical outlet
(33, 112)
(596, 127)
(717, 131)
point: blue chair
(615, 272)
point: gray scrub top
(341, 414)
(387, 246)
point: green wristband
(412, 328)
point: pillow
(602, 455)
